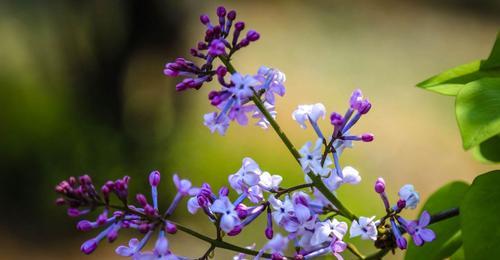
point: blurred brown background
(82, 91)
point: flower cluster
(81, 198)
(233, 97)
(309, 215)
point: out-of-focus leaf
(493, 60)
(478, 111)
(448, 238)
(479, 219)
(458, 255)
(488, 151)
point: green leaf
(448, 238)
(479, 216)
(478, 111)
(451, 81)
(488, 151)
(493, 60)
(459, 254)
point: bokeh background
(82, 91)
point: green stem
(298, 187)
(377, 255)
(355, 251)
(276, 127)
(318, 183)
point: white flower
(324, 230)
(282, 209)
(310, 160)
(350, 176)
(243, 85)
(229, 218)
(247, 176)
(304, 113)
(193, 205)
(270, 182)
(301, 221)
(366, 228)
(409, 195)
(216, 123)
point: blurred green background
(82, 91)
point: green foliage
(477, 109)
(479, 213)
(476, 86)
(448, 235)
(487, 151)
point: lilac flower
(324, 231)
(270, 182)
(310, 160)
(247, 176)
(276, 245)
(239, 113)
(364, 227)
(243, 85)
(282, 209)
(349, 176)
(301, 221)
(272, 83)
(184, 186)
(418, 230)
(338, 246)
(134, 246)
(263, 122)
(408, 194)
(216, 123)
(308, 113)
(229, 217)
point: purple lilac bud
(217, 48)
(380, 185)
(364, 107)
(400, 240)
(154, 178)
(401, 204)
(235, 231)
(221, 11)
(223, 191)
(242, 211)
(60, 201)
(253, 35)
(231, 15)
(356, 98)
(204, 19)
(367, 137)
(141, 199)
(269, 233)
(89, 246)
(85, 225)
(238, 27)
(336, 119)
(170, 228)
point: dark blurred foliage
(64, 114)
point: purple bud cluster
(215, 44)
(81, 198)
(408, 198)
